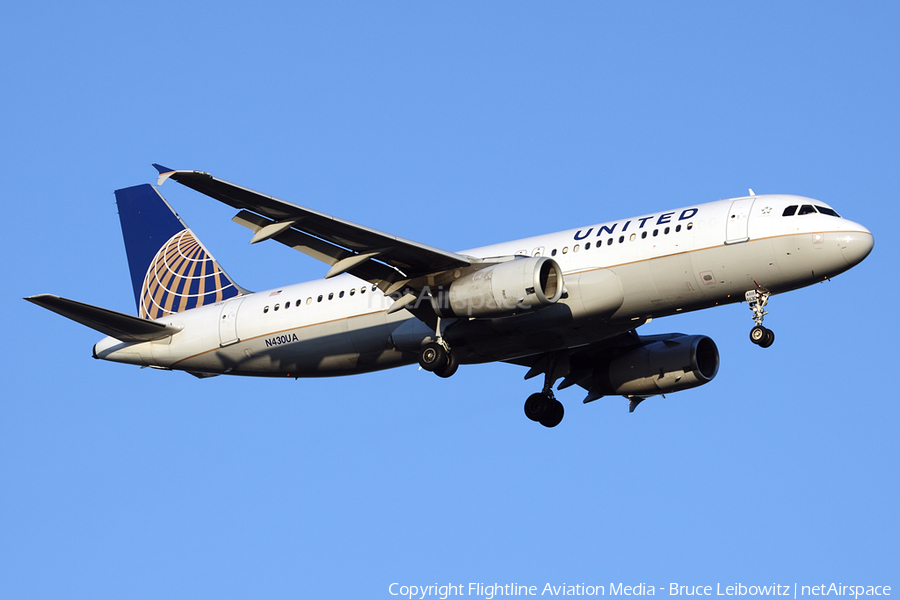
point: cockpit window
(809, 209)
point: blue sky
(457, 125)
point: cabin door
(228, 322)
(738, 218)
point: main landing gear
(759, 335)
(543, 407)
(437, 356)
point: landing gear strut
(759, 335)
(543, 407)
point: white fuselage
(617, 275)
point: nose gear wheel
(762, 337)
(757, 300)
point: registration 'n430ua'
(278, 340)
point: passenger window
(655, 232)
(806, 209)
(621, 238)
(575, 249)
(320, 298)
(677, 228)
(374, 287)
(609, 242)
(287, 305)
(789, 211)
(666, 231)
(827, 211)
(565, 249)
(341, 295)
(353, 291)
(362, 290)
(633, 237)
(690, 226)
(643, 235)
(309, 300)
(276, 307)
(553, 252)
(266, 309)
(298, 303)
(330, 295)
(587, 246)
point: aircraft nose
(856, 245)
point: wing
(576, 366)
(632, 366)
(386, 260)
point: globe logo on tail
(181, 276)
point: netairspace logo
(490, 591)
(777, 589)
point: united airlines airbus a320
(564, 305)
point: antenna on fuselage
(751, 192)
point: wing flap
(123, 327)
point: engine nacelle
(503, 289)
(661, 366)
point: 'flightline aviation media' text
(490, 591)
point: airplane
(564, 305)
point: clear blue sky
(457, 125)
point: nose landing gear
(759, 335)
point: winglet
(164, 173)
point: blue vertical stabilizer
(171, 271)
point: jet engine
(503, 289)
(665, 364)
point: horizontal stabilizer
(109, 322)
